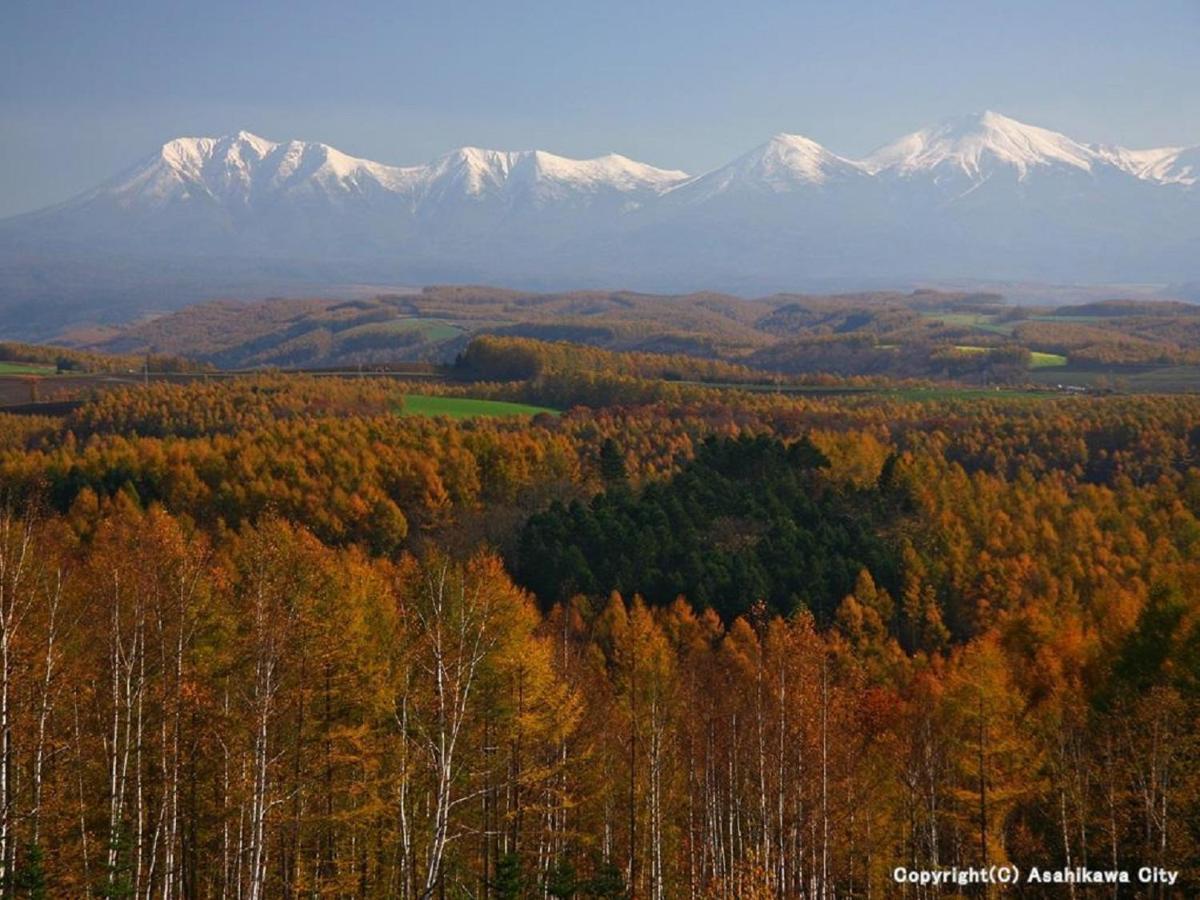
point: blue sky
(88, 88)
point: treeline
(494, 358)
(567, 374)
(70, 360)
(1170, 340)
(210, 407)
(930, 352)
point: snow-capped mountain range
(243, 169)
(978, 196)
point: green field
(978, 321)
(467, 407)
(432, 330)
(21, 368)
(1040, 360)
(1037, 358)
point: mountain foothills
(980, 196)
(976, 339)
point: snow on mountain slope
(552, 178)
(612, 170)
(185, 169)
(975, 146)
(1139, 163)
(1175, 165)
(535, 175)
(786, 163)
(235, 171)
(1162, 165)
(239, 169)
(312, 167)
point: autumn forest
(661, 633)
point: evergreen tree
(29, 881)
(509, 882)
(612, 464)
(563, 882)
(606, 884)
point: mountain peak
(785, 164)
(976, 144)
(787, 159)
(612, 169)
(189, 155)
(479, 170)
(250, 137)
(988, 119)
(798, 141)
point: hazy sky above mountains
(87, 88)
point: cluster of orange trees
(266, 638)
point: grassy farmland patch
(22, 368)
(467, 407)
(431, 329)
(1040, 360)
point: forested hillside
(270, 636)
(975, 338)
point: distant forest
(975, 338)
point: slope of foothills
(263, 636)
(972, 338)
